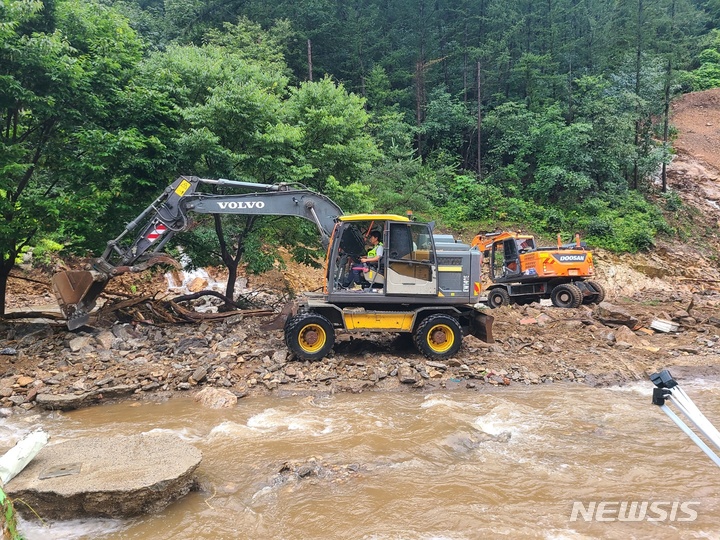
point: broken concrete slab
(112, 477)
(68, 402)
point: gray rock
(79, 343)
(623, 335)
(227, 344)
(436, 365)
(30, 333)
(60, 402)
(305, 470)
(68, 402)
(124, 332)
(407, 375)
(199, 374)
(187, 344)
(105, 339)
(291, 372)
(280, 357)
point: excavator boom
(140, 245)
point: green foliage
(627, 224)
(672, 201)
(251, 43)
(447, 123)
(707, 75)
(381, 96)
(539, 155)
(334, 141)
(61, 72)
(97, 120)
(44, 254)
(258, 256)
(352, 198)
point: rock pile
(45, 366)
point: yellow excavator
(424, 284)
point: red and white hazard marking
(157, 232)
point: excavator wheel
(566, 295)
(498, 298)
(438, 337)
(594, 298)
(309, 335)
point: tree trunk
(5, 267)
(666, 125)
(479, 125)
(4, 274)
(231, 280)
(310, 66)
(232, 262)
(666, 119)
(638, 71)
(419, 100)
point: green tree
(58, 91)
(239, 119)
(448, 124)
(335, 142)
(707, 75)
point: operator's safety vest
(373, 251)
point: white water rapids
(498, 463)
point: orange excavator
(521, 272)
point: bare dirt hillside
(696, 116)
(695, 171)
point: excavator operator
(372, 259)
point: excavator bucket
(76, 292)
(481, 326)
(288, 310)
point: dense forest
(550, 115)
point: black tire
(594, 298)
(309, 335)
(438, 337)
(566, 295)
(498, 298)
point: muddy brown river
(550, 462)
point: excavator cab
(408, 265)
(505, 260)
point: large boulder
(612, 315)
(112, 477)
(216, 398)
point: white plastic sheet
(17, 458)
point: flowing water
(509, 462)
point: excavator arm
(140, 245)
